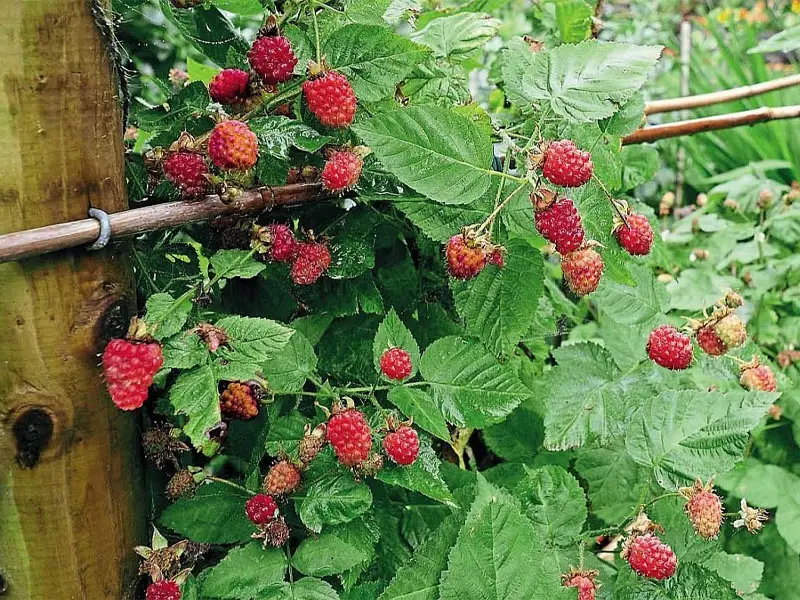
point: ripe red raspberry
(238, 402)
(584, 581)
(283, 478)
(229, 86)
(731, 330)
(312, 260)
(272, 57)
(497, 257)
(704, 509)
(566, 165)
(129, 368)
(402, 446)
(396, 364)
(636, 237)
(350, 436)
(341, 171)
(187, 171)
(757, 377)
(232, 146)
(648, 556)
(709, 341)
(261, 509)
(465, 257)
(331, 99)
(670, 348)
(560, 224)
(582, 270)
(283, 247)
(163, 590)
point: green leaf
(499, 305)
(518, 438)
(631, 305)
(353, 245)
(326, 554)
(195, 395)
(278, 135)
(572, 18)
(697, 289)
(683, 435)
(288, 370)
(185, 352)
(639, 165)
(285, 434)
(437, 221)
(583, 82)
(456, 37)
(244, 572)
(436, 151)
(422, 476)
(334, 498)
(786, 41)
(307, 588)
(418, 405)
(744, 572)
(252, 339)
(392, 333)
(468, 383)
(165, 316)
(236, 263)
(200, 72)
(215, 515)
(627, 119)
(691, 582)
(174, 114)
(554, 502)
(374, 59)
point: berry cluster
(262, 510)
(350, 436)
(163, 590)
(238, 401)
(704, 509)
(396, 364)
(129, 368)
(467, 253)
(308, 260)
(342, 170)
(584, 581)
(283, 478)
(649, 557)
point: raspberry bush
(471, 371)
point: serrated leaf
(374, 59)
(554, 502)
(785, 41)
(744, 572)
(631, 305)
(436, 151)
(307, 588)
(285, 433)
(334, 498)
(215, 515)
(422, 476)
(326, 554)
(639, 165)
(278, 135)
(392, 333)
(691, 582)
(437, 221)
(468, 383)
(683, 435)
(165, 315)
(418, 405)
(519, 437)
(499, 305)
(184, 352)
(456, 37)
(236, 263)
(244, 573)
(289, 369)
(572, 19)
(251, 339)
(627, 119)
(195, 395)
(180, 108)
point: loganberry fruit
(560, 223)
(497, 257)
(757, 377)
(670, 348)
(709, 341)
(349, 434)
(635, 236)
(649, 557)
(232, 146)
(238, 401)
(566, 165)
(163, 590)
(187, 171)
(229, 86)
(396, 364)
(272, 57)
(312, 443)
(129, 368)
(704, 509)
(283, 245)
(341, 171)
(311, 261)
(331, 99)
(584, 581)
(465, 257)
(260, 509)
(582, 270)
(282, 478)
(276, 533)
(402, 446)
(731, 330)
(181, 485)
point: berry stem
(230, 483)
(599, 182)
(313, 4)
(490, 219)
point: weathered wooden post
(71, 493)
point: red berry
(758, 378)
(560, 224)
(465, 257)
(402, 446)
(566, 165)
(582, 270)
(584, 581)
(187, 171)
(283, 247)
(648, 556)
(705, 510)
(129, 368)
(331, 99)
(272, 57)
(670, 348)
(341, 171)
(163, 590)
(232, 146)
(731, 330)
(229, 86)
(261, 509)
(238, 402)
(709, 341)
(396, 364)
(283, 478)
(349, 434)
(636, 237)
(311, 262)
(497, 257)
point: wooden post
(71, 492)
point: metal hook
(105, 229)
